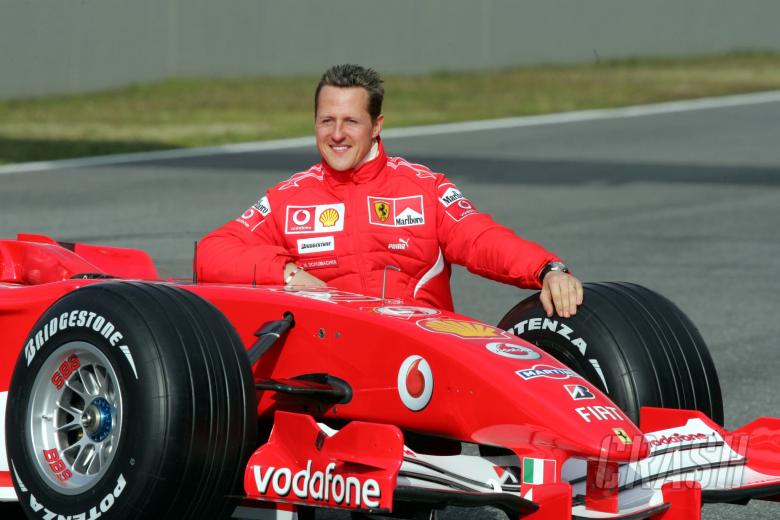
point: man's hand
(561, 292)
(301, 278)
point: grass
(187, 113)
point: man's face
(344, 127)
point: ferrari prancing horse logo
(382, 210)
(622, 435)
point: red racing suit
(347, 227)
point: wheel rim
(74, 417)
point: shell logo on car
(462, 329)
(415, 383)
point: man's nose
(338, 131)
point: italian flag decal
(538, 471)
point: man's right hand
(301, 278)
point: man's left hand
(562, 293)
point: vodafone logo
(415, 383)
(322, 486)
(464, 204)
(301, 217)
(676, 438)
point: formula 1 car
(129, 397)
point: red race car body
(347, 382)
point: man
(344, 221)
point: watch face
(558, 266)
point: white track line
(413, 131)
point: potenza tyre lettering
(553, 326)
(321, 486)
(72, 320)
(106, 503)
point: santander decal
(320, 487)
(415, 383)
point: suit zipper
(356, 238)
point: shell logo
(415, 383)
(329, 217)
(462, 329)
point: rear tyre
(632, 343)
(131, 400)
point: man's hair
(345, 76)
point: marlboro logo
(326, 486)
(399, 212)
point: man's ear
(380, 119)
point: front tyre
(130, 400)
(632, 343)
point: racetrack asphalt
(685, 203)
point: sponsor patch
(405, 311)
(460, 210)
(600, 413)
(462, 329)
(579, 392)
(323, 218)
(320, 263)
(450, 196)
(316, 245)
(256, 214)
(547, 372)
(415, 383)
(401, 245)
(382, 210)
(396, 212)
(511, 350)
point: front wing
(366, 467)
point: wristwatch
(553, 266)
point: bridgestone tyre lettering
(188, 408)
(632, 343)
